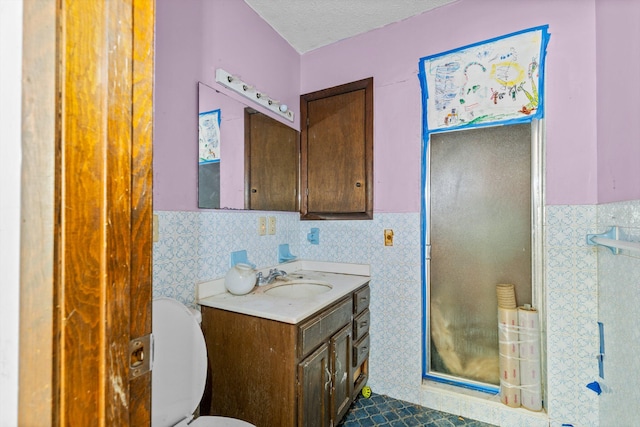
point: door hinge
(140, 356)
(427, 252)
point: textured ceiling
(310, 24)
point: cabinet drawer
(361, 301)
(361, 351)
(361, 325)
(319, 329)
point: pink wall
(175, 133)
(591, 128)
(391, 56)
(193, 38)
(239, 41)
(618, 45)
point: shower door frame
(537, 258)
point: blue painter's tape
(426, 132)
(204, 113)
(537, 114)
(601, 331)
(594, 386)
(601, 355)
(485, 388)
(206, 162)
(544, 29)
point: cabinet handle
(363, 323)
(358, 184)
(328, 383)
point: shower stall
(482, 227)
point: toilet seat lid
(179, 363)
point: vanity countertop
(343, 277)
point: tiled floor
(381, 411)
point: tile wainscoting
(196, 246)
(619, 311)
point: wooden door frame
(85, 273)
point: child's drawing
(491, 82)
(209, 136)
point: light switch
(156, 228)
(271, 225)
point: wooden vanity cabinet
(324, 389)
(271, 373)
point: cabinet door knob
(358, 184)
(253, 190)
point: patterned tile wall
(619, 310)
(195, 246)
(396, 294)
(572, 315)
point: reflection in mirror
(209, 159)
(221, 182)
(224, 176)
(271, 164)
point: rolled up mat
(506, 295)
(509, 356)
(530, 380)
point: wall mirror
(247, 160)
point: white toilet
(179, 368)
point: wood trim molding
(247, 156)
(86, 210)
(39, 130)
(141, 235)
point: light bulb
(283, 108)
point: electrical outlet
(156, 228)
(262, 226)
(271, 225)
(388, 237)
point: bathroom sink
(298, 288)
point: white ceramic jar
(240, 279)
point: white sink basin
(298, 288)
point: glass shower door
(479, 235)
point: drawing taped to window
(494, 81)
(209, 136)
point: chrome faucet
(273, 273)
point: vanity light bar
(235, 84)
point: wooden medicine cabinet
(336, 152)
